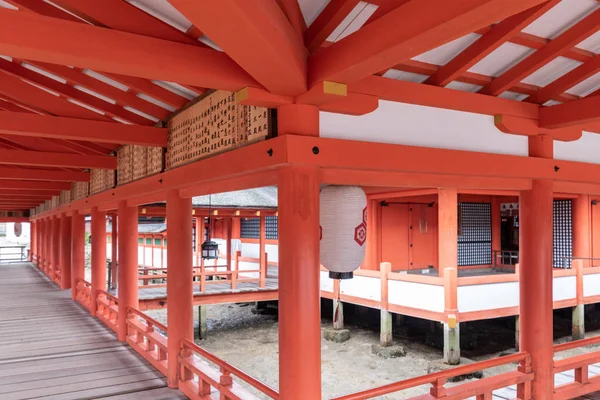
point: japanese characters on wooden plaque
(101, 180)
(65, 197)
(137, 162)
(80, 190)
(216, 123)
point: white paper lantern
(343, 229)
(18, 229)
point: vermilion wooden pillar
(128, 264)
(180, 317)
(496, 224)
(42, 263)
(65, 252)
(114, 242)
(447, 229)
(261, 249)
(582, 228)
(299, 293)
(98, 255)
(77, 251)
(535, 258)
(55, 247)
(45, 245)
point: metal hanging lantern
(210, 248)
(343, 216)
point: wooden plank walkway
(51, 348)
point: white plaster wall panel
(398, 123)
(564, 288)
(591, 285)
(363, 287)
(560, 18)
(502, 59)
(584, 150)
(416, 295)
(489, 296)
(252, 250)
(326, 282)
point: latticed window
(563, 240)
(250, 228)
(475, 234)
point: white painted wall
(416, 295)
(363, 287)
(591, 285)
(583, 150)
(326, 282)
(488, 297)
(564, 288)
(408, 124)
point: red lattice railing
(583, 383)
(481, 389)
(203, 373)
(84, 293)
(143, 336)
(107, 309)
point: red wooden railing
(57, 276)
(583, 383)
(107, 309)
(482, 388)
(143, 337)
(199, 378)
(84, 293)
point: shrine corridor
(51, 348)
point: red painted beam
(31, 192)
(39, 38)
(487, 43)
(291, 9)
(46, 126)
(330, 18)
(575, 113)
(38, 158)
(34, 185)
(567, 81)
(434, 96)
(557, 47)
(151, 89)
(31, 95)
(122, 16)
(41, 7)
(425, 25)
(257, 36)
(27, 174)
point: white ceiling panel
(561, 17)
(587, 86)
(164, 11)
(43, 72)
(4, 4)
(552, 71)
(446, 52)
(353, 21)
(405, 76)
(80, 104)
(177, 89)
(155, 101)
(502, 59)
(592, 43)
(463, 87)
(92, 93)
(311, 9)
(105, 79)
(513, 95)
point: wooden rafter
(330, 18)
(487, 43)
(575, 113)
(39, 38)
(38, 158)
(426, 25)
(291, 8)
(22, 124)
(258, 36)
(555, 48)
(68, 91)
(31, 95)
(33, 185)
(31, 192)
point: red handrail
(435, 377)
(576, 343)
(227, 368)
(152, 321)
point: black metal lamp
(210, 249)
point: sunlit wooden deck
(50, 347)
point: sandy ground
(249, 342)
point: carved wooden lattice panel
(80, 190)
(155, 160)
(140, 162)
(124, 165)
(216, 123)
(65, 197)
